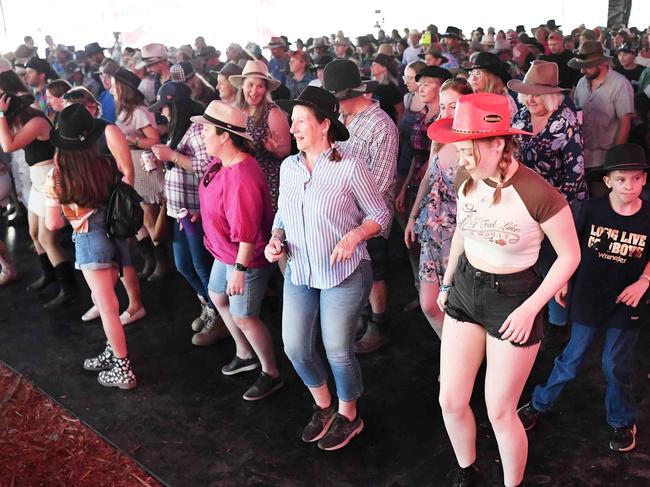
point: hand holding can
(148, 161)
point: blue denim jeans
(192, 259)
(339, 308)
(617, 366)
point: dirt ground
(42, 445)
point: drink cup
(185, 218)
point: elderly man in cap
(279, 62)
(38, 73)
(607, 102)
(373, 139)
(412, 53)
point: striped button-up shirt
(317, 209)
(374, 140)
(181, 186)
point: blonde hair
(551, 101)
(462, 88)
(494, 84)
(506, 159)
(242, 104)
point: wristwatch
(240, 267)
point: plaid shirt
(374, 140)
(420, 143)
(181, 186)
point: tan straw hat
(224, 116)
(254, 69)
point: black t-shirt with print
(614, 252)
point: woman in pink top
(237, 214)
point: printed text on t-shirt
(614, 244)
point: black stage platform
(188, 425)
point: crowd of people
(514, 165)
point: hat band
(255, 73)
(221, 123)
(476, 131)
(587, 56)
(80, 137)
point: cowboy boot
(68, 292)
(48, 276)
(163, 264)
(146, 250)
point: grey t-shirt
(602, 110)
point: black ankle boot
(146, 251)
(467, 477)
(48, 276)
(65, 275)
(163, 265)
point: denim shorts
(487, 299)
(378, 251)
(94, 250)
(249, 303)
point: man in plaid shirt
(374, 140)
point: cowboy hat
(434, 72)
(621, 157)
(477, 116)
(323, 102)
(342, 78)
(276, 41)
(542, 78)
(432, 51)
(591, 54)
(224, 116)
(76, 129)
(501, 45)
(492, 64)
(152, 54)
(127, 77)
(229, 69)
(254, 69)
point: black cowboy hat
(127, 77)
(42, 66)
(93, 48)
(491, 63)
(621, 157)
(322, 101)
(343, 79)
(76, 129)
(434, 72)
(321, 61)
(453, 32)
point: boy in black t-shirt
(608, 291)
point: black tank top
(38, 150)
(102, 144)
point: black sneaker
(466, 477)
(238, 365)
(320, 423)
(528, 415)
(264, 385)
(341, 432)
(623, 439)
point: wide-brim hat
(76, 129)
(151, 54)
(541, 78)
(434, 53)
(501, 45)
(93, 48)
(18, 103)
(591, 54)
(342, 78)
(491, 63)
(254, 69)
(434, 72)
(621, 157)
(477, 116)
(276, 41)
(127, 77)
(229, 69)
(452, 31)
(321, 61)
(322, 101)
(226, 117)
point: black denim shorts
(487, 299)
(378, 250)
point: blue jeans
(340, 308)
(192, 259)
(617, 366)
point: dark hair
(58, 87)
(20, 110)
(10, 81)
(82, 177)
(179, 119)
(335, 156)
(238, 141)
(127, 99)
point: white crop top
(507, 234)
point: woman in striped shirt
(329, 205)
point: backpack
(124, 215)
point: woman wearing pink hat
(491, 293)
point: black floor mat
(187, 424)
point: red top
(236, 207)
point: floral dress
(269, 163)
(556, 152)
(436, 222)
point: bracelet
(646, 277)
(445, 288)
(2, 113)
(413, 217)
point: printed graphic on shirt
(616, 245)
(489, 229)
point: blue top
(278, 69)
(317, 209)
(107, 101)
